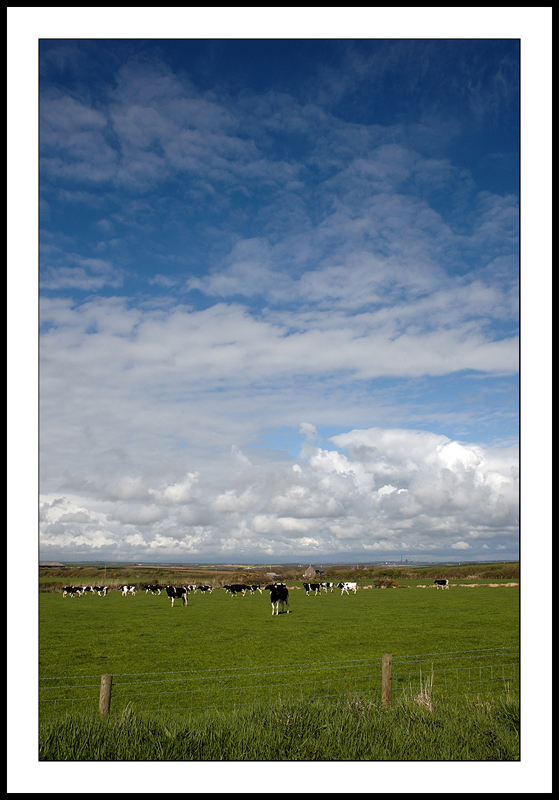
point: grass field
(91, 635)
(218, 643)
(115, 634)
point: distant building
(313, 571)
(50, 564)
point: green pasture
(114, 634)
(142, 639)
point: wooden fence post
(105, 695)
(386, 679)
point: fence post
(386, 679)
(105, 695)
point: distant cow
(327, 586)
(312, 587)
(255, 587)
(236, 588)
(278, 594)
(127, 590)
(348, 586)
(441, 584)
(206, 589)
(72, 591)
(175, 592)
(153, 588)
(101, 590)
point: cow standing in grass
(347, 586)
(176, 593)
(278, 594)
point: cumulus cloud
(442, 494)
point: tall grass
(349, 729)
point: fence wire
(450, 676)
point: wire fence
(459, 675)
(428, 678)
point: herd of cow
(279, 593)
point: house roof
(312, 570)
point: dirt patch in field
(468, 585)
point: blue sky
(279, 289)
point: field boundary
(424, 678)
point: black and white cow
(312, 587)
(154, 589)
(205, 589)
(443, 584)
(236, 588)
(278, 594)
(127, 590)
(255, 587)
(327, 586)
(348, 586)
(176, 592)
(72, 591)
(101, 590)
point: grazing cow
(237, 588)
(153, 589)
(441, 584)
(206, 589)
(101, 590)
(71, 590)
(278, 594)
(175, 592)
(327, 586)
(312, 587)
(127, 590)
(255, 587)
(347, 586)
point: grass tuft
(349, 729)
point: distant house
(50, 564)
(312, 572)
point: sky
(279, 299)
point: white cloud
(441, 495)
